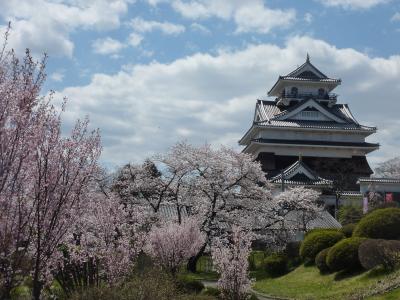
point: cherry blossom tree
(389, 168)
(103, 243)
(221, 187)
(230, 258)
(43, 175)
(145, 184)
(20, 83)
(294, 209)
(171, 244)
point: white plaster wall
(308, 88)
(379, 187)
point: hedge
(276, 264)
(315, 230)
(377, 252)
(320, 261)
(344, 255)
(317, 241)
(380, 224)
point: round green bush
(317, 241)
(344, 255)
(380, 224)
(377, 252)
(315, 230)
(320, 261)
(276, 264)
(348, 229)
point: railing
(326, 96)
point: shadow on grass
(259, 275)
(378, 272)
(347, 273)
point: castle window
(310, 115)
(294, 91)
(321, 92)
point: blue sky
(153, 72)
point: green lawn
(307, 283)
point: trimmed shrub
(320, 261)
(348, 229)
(349, 214)
(276, 264)
(380, 224)
(344, 255)
(378, 252)
(311, 231)
(190, 285)
(317, 241)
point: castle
(304, 137)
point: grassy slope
(307, 283)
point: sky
(150, 73)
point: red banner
(389, 197)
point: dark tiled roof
(379, 180)
(310, 79)
(308, 62)
(300, 178)
(317, 143)
(268, 111)
(323, 220)
(315, 75)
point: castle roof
(269, 114)
(307, 72)
(300, 174)
(338, 117)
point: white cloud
(255, 17)
(249, 16)
(353, 4)
(144, 109)
(135, 39)
(140, 25)
(395, 17)
(45, 26)
(107, 46)
(200, 28)
(308, 18)
(57, 76)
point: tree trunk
(37, 284)
(5, 293)
(37, 289)
(191, 265)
